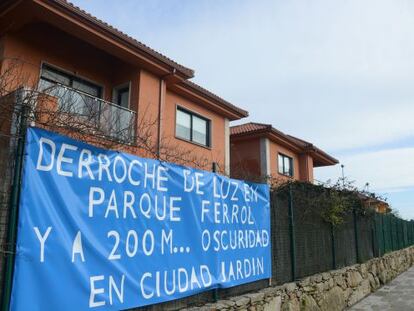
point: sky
(336, 73)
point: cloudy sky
(337, 73)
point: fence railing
(303, 243)
(114, 121)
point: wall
(40, 42)
(305, 167)
(245, 158)
(214, 153)
(330, 291)
(275, 149)
(148, 104)
(37, 43)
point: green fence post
(397, 234)
(411, 232)
(400, 233)
(333, 247)
(356, 235)
(14, 204)
(292, 235)
(395, 238)
(216, 290)
(404, 233)
(383, 234)
(374, 240)
(392, 229)
(397, 241)
(391, 234)
(378, 234)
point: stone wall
(333, 290)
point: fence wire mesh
(314, 246)
(281, 244)
(345, 250)
(303, 243)
(10, 123)
(313, 241)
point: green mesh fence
(281, 240)
(345, 249)
(306, 244)
(303, 243)
(313, 242)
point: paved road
(396, 295)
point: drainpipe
(161, 100)
(305, 158)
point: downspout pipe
(161, 100)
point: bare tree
(25, 101)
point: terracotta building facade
(260, 151)
(57, 44)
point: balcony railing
(110, 120)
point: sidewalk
(396, 295)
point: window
(51, 76)
(285, 165)
(75, 95)
(121, 96)
(192, 127)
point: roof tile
(253, 127)
(248, 127)
(126, 37)
(217, 98)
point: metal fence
(304, 244)
(11, 152)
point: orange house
(379, 205)
(260, 151)
(103, 70)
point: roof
(248, 128)
(370, 199)
(296, 144)
(307, 145)
(67, 10)
(241, 112)
(139, 45)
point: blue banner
(106, 230)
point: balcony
(106, 119)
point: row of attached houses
(260, 150)
(59, 45)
